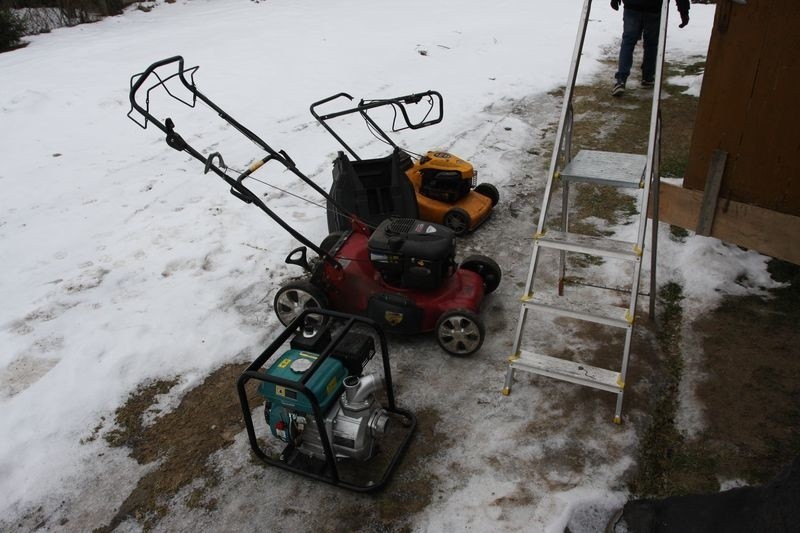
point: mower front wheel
(490, 191)
(459, 332)
(457, 220)
(294, 297)
(486, 268)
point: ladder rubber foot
(617, 420)
(506, 391)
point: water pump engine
(352, 417)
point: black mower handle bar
(399, 101)
(363, 106)
(174, 140)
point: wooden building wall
(750, 105)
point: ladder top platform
(606, 168)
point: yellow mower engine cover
(447, 161)
(444, 185)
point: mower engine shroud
(443, 176)
(412, 254)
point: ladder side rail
(523, 315)
(650, 167)
(567, 157)
(636, 281)
(623, 373)
(654, 125)
(565, 109)
(563, 128)
(654, 237)
(566, 114)
(652, 175)
(626, 352)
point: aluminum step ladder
(611, 169)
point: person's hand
(615, 5)
(684, 17)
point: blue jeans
(636, 24)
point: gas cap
(300, 365)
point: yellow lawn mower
(437, 187)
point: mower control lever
(210, 161)
(174, 140)
(241, 196)
(289, 161)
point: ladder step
(600, 246)
(606, 168)
(581, 309)
(580, 373)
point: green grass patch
(667, 464)
(678, 234)
(128, 417)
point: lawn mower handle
(326, 100)
(413, 98)
(323, 120)
(175, 141)
(363, 106)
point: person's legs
(650, 26)
(631, 31)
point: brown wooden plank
(748, 105)
(769, 232)
(768, 165)
(731, 70)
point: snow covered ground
(121, 262)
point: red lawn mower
(402, 274)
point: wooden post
(711, 192)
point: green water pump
(353, 417)
(338, 423)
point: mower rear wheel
(490, 191)
(486, 268)
(457, 220)
(459, 332)
(296, 296)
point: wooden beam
(711, 192)
(769, 232)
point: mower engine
(445, 177)
(352, 416)
(413, 254)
